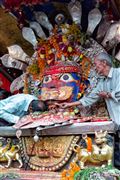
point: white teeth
(62, 94)
(59, 94)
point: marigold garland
(33, 69)
(89, 144)
(59, 47)
(26, 91)
(69, 173)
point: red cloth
(11, 4)
(47, 119)
(4, 83)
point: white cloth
(110, 84)
(14, 107)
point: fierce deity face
(61, 84)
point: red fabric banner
(4, 83)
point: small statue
(94, 153)
(13, 154)
(8, 153)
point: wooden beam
(73, 129)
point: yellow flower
(70, 49)
(42, 56)
(79, 95)
(49, 52)
(72, 113)
(64, 39)
(81, 56)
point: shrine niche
(60, 70)
(49, 154)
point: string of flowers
(60, 46)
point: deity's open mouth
(61, 93)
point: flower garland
(33, 69)
(89, 144)
(69, 174)
(59, 45)
(63, 46)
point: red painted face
(57, 80)
(58, 86)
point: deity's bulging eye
(66, 77)
(47, 79)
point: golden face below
(60, 94)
